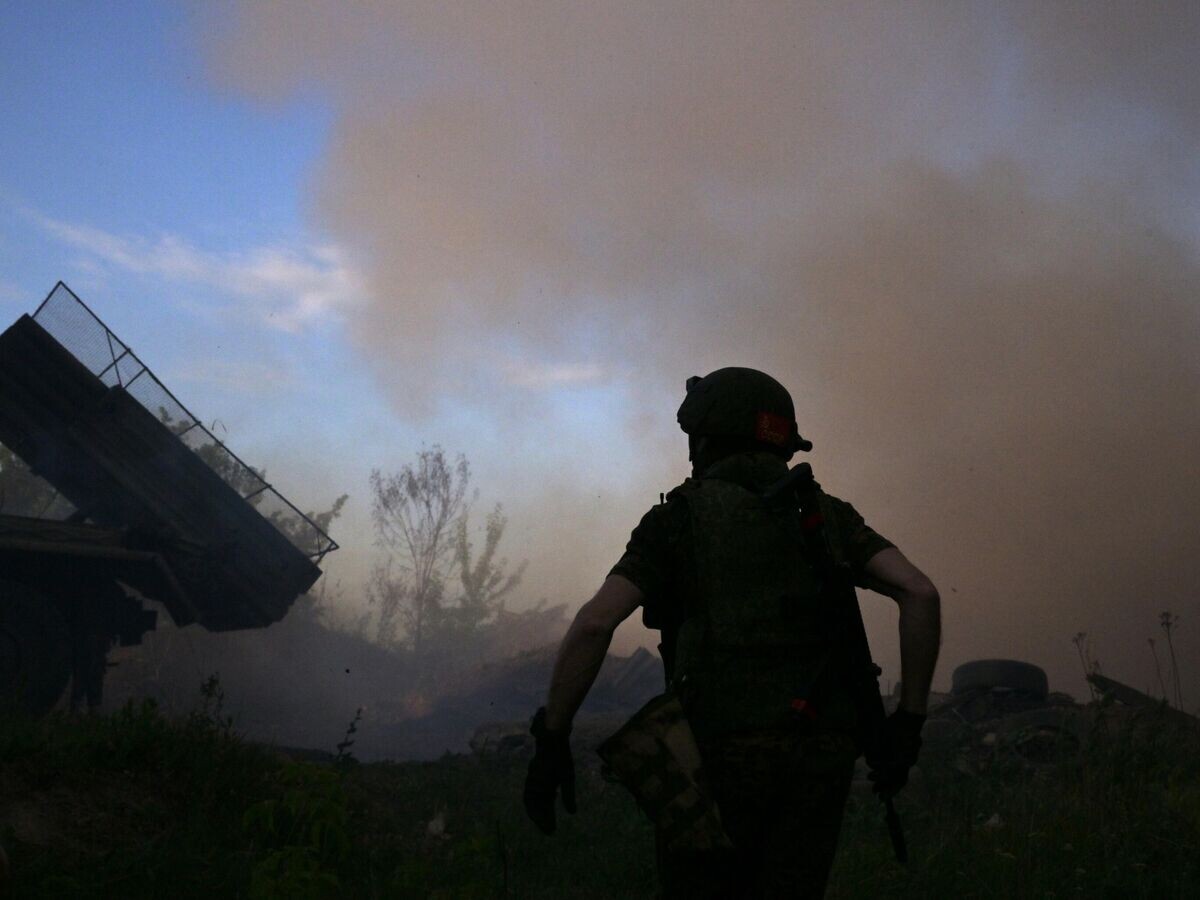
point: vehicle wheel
(1000, 673)
(35, 649)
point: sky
(964, 236)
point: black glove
(898, 747)
(550, 769)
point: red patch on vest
(772, 429)
(812, 522)
(804, 708)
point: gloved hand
(899, 745)
(550, 769)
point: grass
(488, 845)
(127, 805)
(1116, 817)
(137, 805)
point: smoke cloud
(964, 236)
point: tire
(35, 649)
(984, 674)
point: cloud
(250, 379)
(284, 287)
(964, 235)
(544, 375)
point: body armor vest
(760, 645)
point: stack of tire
(1008, 675)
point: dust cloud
(963, 235)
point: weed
(1168, 621)
(1157, 668)
(211, 711)
(1090, 666)
(299, 835)
(134, 804)
(344, 756)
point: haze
(964, 236)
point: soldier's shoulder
(840, 515)
(838, 504)
(670, 514)
(662, 513)
(680, 492)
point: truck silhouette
(145, 503)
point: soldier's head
(733, 410)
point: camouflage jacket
(665, 557)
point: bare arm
(888, 572)
(583, 649)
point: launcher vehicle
(140, 501)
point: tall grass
(138, 805)
(1116, 816)
(134, 804)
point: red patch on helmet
(772, 429)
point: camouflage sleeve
(859, 540)
(647, 562)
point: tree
(251, 484)
(484, 582)
(416, 512)
(297, 528)
(433, 590)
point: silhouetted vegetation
(136, 804)
(438, 599)
(23, 493)
(1112, 816)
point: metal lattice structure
(81, 332)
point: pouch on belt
(655, 756)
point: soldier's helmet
(741, 403)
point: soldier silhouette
(747, 570)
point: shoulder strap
(822, 529)
(820, 520)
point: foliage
(415, 512)
(345, 755)
(455, 828)
(136, 805)
(485, 583)
(250, 483)
(300, 835)
(1168, 622)
(130, 804)
(436, 595)
(23, 493)
(1090, 665)
(246, 480)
